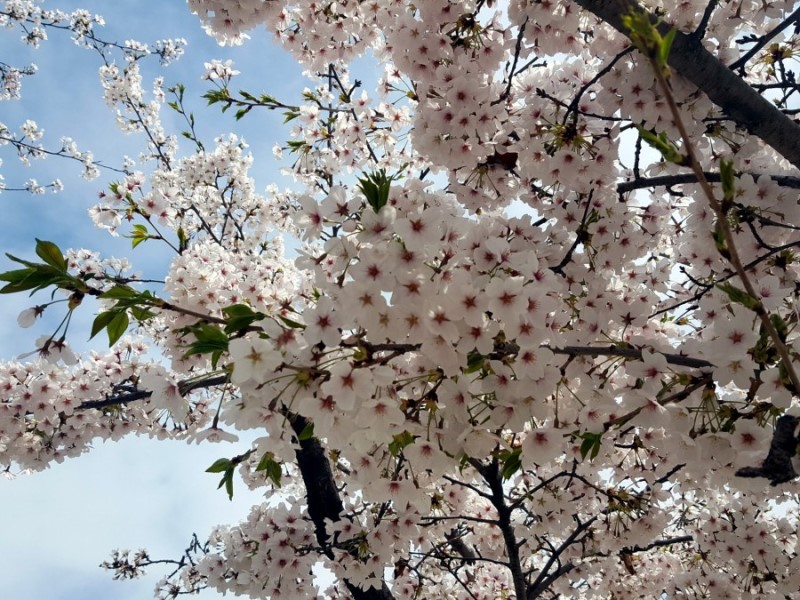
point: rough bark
(323, 499)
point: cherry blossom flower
(254, 359)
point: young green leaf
(117, 327)
(739, 296)
(512, 462)
(271, 468)
(119, 291)
(239, 317)
(664, 46)
(290, 323)
(220, 465)
(400, 441)
(376, 187)
(662, 143)
(101, 321)
(51, 254)
(307, 433)
(728, 179)
(591, 445)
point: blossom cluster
(507, 352)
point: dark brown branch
(582, 234)
(501, 350)
(116, 400)
(670, 180)
(322, 498)
(684, 539)
(544, 585)
(700, 32)
(544, 581)
(507, 92)
(509, 349)
(456, 543)
(674, 359)
(724, 88)
(321, 493)
(491, 474)
(764, 40)
(573, 105)
(710, 286)
(778, 467)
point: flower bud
(28, 316)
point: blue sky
(58, 525)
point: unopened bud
(28, 316)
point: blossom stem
(722, 221)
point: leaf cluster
(115, 320)
(38, 276)
(376, 187)
(271, 468)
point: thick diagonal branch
(727, 90)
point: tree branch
(544, 581)
(765, 39)
(725, 89)
(491, 474)
(670, 180)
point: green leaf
(208, 333)
(728, 178)
(475, 362)
(206, 347)
(16, 275)
(271, 468)
(739, 296)
(140, 233)
(214, 96)
(34, 278)
(238, 310)
(591, 445)
(209, 340)
(183, 240)
(51, 254)
(664, 46)
(119, 291)
(780, 326)
(400, 441)
(228, 480)
(240, 317)
(376, 187)
(512, 462)
(141, 314)
(307, 433)
(101, 321)
(290, 323)
(220, 465)
(117, 327)
(22, 261)
(662, 143)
